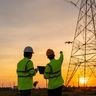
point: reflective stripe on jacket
(25, 72)
(53, 73)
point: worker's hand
(36, 69)
(61, 52)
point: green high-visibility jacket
(25, 72)
(53, 73)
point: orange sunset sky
(41, 24)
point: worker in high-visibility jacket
(53, 73)
(25, 72)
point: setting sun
(83, 80)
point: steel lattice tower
(83, 54)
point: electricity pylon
(83, 54)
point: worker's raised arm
(61, 58)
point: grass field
(43, 92)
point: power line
(72, 3)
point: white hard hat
(28, 49)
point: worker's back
(24, 76)
(53, 73)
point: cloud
(18, 13)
